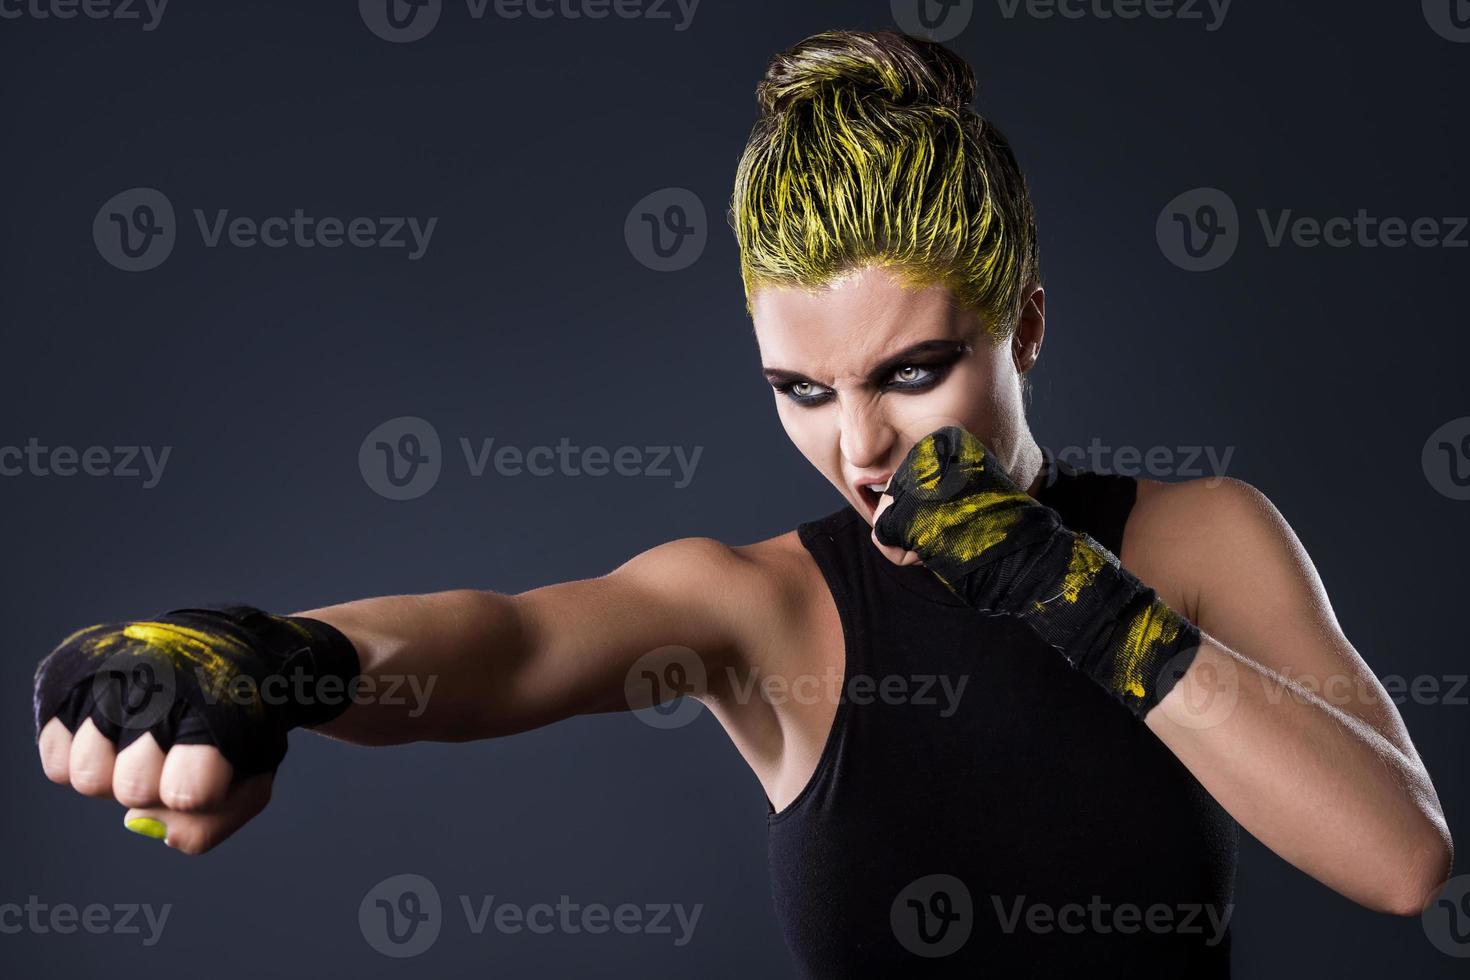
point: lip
(870, 498)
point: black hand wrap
(229, 676)
(1002, 552)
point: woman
(1061, 692)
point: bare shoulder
(1194, 534)
(776, 569)
(750, 590)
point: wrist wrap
(230, 676)
(1002, 552)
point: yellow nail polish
(148, 827)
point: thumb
(197, 831)
(898, 556)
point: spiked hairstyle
(867, 152)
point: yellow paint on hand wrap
(962, 530)
(1151, 627)
(180, 645)
(1082, 569)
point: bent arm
(1283, 723)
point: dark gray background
(530, 320)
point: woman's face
(865, 368)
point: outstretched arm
(449, 666)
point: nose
(867, 436)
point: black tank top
(1023, 825)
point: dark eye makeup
(916, 369)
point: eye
(806, 393)
(913, 376)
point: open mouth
(870, 494)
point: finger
(195, 777)
(55, 747)
(137, 773)
(200, 831)
(90, 761)
(897, 556)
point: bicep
(1259, 594)
(677, 602)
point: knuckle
(180, 797)
(133, 788)
(91, 782)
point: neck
(1026, 467)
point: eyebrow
(885, 367)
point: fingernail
(148, 827)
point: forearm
(1317, 785)
(434, 667)
(1322, 787)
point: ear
(1030, 328)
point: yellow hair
(867, 152)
